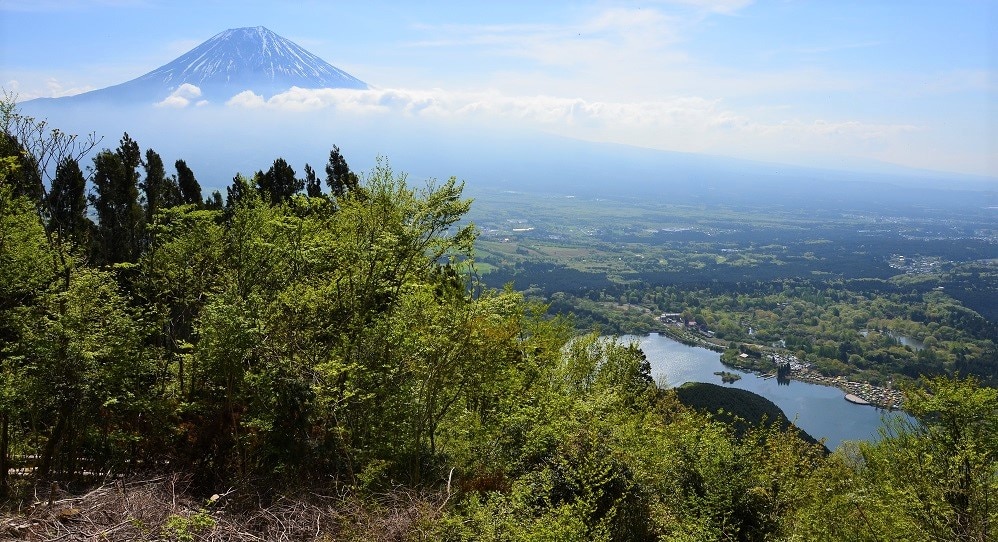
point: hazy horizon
(882, 88)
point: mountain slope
(232, 61)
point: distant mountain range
(231, 62)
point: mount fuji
(233, 61)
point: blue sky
(843, 83)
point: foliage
(340, 180)
(116, 202)
(836, 328)
(741, 409)
(300, 344)
(68, 204)
(187, 183)
(933, 479)
(187, 529)
(942, 471)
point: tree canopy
(341, 344)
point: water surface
(822, 411)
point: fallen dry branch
(163, 509)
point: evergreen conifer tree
(339, 178)
(116, 200)
(68, 202)
(312, 186)
(190, 189)
(239, 189)
(160, 191)
(279, 182)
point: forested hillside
(302, 362)
(742, 409)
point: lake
(822, 411)
(914, 344)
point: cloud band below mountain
(680, 123)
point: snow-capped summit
(231, 62)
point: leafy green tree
(26, 266)
(90, 383)
(931, 478)
(953, 451)
(388, 251)
(231, 324)
(24, 180)
(181, 265)
(335, 342)
(33, 258)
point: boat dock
(856, 399)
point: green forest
(317, 358)
(841, 328)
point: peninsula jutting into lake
(814, 407)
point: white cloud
(182, 97)
(175, 102)
(247, 99)
(683, 123)
(56, 89)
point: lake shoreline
(818, 409)
(879, 397)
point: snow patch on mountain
(240, 59)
